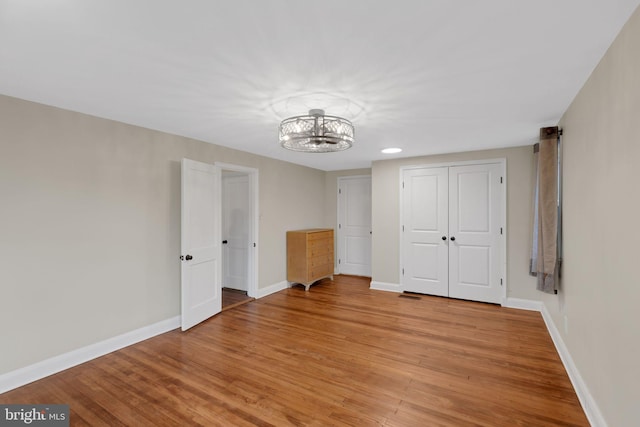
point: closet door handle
(444, 237)
(453, 238)
(188, 257)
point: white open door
(201, 243)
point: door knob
(453, 238)
(444, 237)
(188, 257)
(224, 242)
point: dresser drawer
(320, 247)
(320, 235)
(326, 259)
(320, 271)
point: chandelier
(316, 133)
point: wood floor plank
(338, 355)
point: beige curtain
(544, 254)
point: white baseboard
(385, 286)
(276, 287)
(523, 304)
(28, 374)
(591, 409)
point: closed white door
(475, 221)
(354, 225)
(425, 231)
(235, 230)
(201, 288)
(453, 231)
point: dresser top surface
(311, 230)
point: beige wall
(90, 226)
(601, 286)
(386, 210)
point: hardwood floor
(232, 298)
(339, 354)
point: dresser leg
(306, 287)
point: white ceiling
(427, 76)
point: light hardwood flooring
(340, 354)
(232, 298)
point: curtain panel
(545, 260)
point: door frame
(252, 256)
(503, 200)
(338, 229)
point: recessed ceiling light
(391, 150)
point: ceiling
(426, 76)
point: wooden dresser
(309, 255)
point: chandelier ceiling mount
(316, 133)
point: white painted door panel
(201, 289)
(475, 218)
(425, 222)
(235, 231)
(354, 225)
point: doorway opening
(239, 224)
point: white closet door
(425, 223)
(235, 230)
(475, 218)
(354, 225)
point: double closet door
(452, 231)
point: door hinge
(500, 230)
(339, 261)
(402, 184)
(403, 271)
(339, 226)
(403, 228)
(254, 244)
(500, 180)
(339, 190)
(501, 281)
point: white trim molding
(385, 286)
(591, 409)
(39, 370)
(272, 289)
(523, 304)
